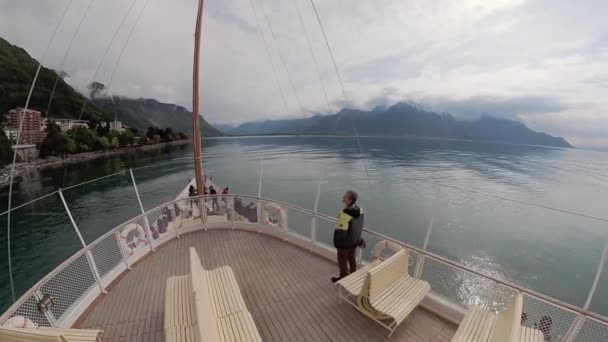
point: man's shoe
(335, 279)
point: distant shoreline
(405, 136)
(52, 162)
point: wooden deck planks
(287, 290)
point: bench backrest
(195, 261)
(28, 335)
(198, 272)
(508, 322)
(207, 324)
(385, 274)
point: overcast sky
(544, 62)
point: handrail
(452, 263)
(439, 258)
(455, 264)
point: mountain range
(17, 70)
(403, 119)
(143, 113)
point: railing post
(577, 325)
(141, 207)
(313, 220)
(88, 252)
(429, 230)
(575, 328)
(260, 188)
(122, 250)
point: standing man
(214, 203)
(347, 235)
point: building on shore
(32, 128)
(117, 126)
(67, 124)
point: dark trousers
(346, 257)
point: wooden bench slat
(531, 335)
(479, 324)
(207, 306)
(239, 327)
(391, 290)
(44, 334)
(353, 283)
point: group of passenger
(161, 225)
(215, 205)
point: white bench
(531, 335)
(42, 334)
(207, 306)
(385, 291)
(483, 325)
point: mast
(198, 165)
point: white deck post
(598, 274)
(313, 221)
(260, 189)
(141, 206)
(578, 322)
(122, 250)
(88, 252)
(429, 230)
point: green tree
(54, 144)
(126, 138)
(70, 146)
(182, 136)
(114, 144)
(83, 136)
(101, 143)
(168, 134)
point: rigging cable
(266, 47)
(310, 49)
(274, 38)
(22, 118)
(331, 54)
(105, 53)
(122, 51)
(65, 55)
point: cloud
(507, 107)
(543, 62)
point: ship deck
(287, 290)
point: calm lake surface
(402, 184)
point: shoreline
(52, 162)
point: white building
(67, 124)
(116, 126)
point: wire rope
(65, 55)
(337, 70)
(22, 115)
(105, 53)
(311, 51)
(266, 47)
(122, 51)
(281, 57)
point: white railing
(76, 282)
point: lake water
(473, 191)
